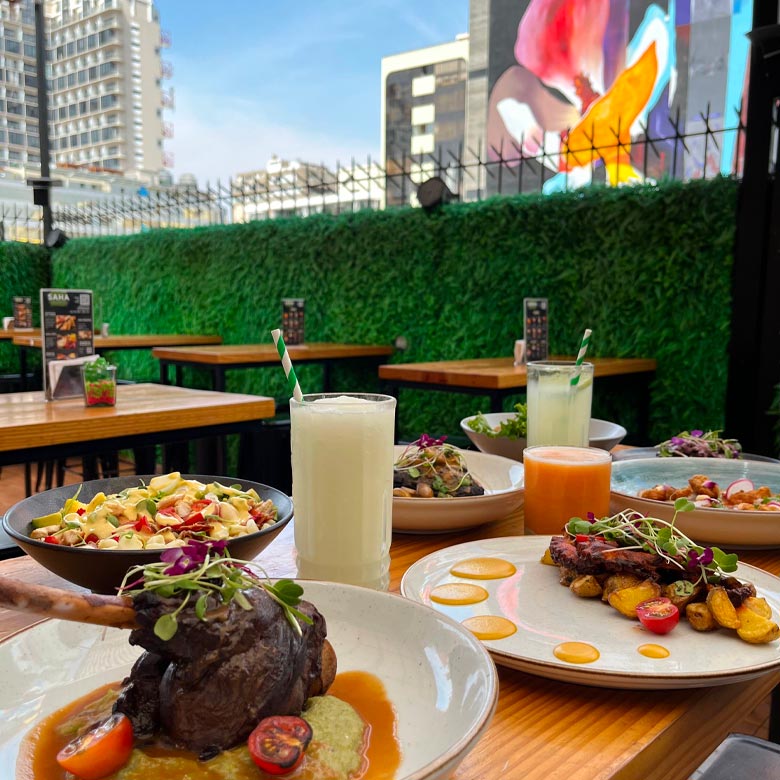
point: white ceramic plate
(726, 527)
(502, 479)
(603, 434)
(548, 614)
(439, 678)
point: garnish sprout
(634, 531)
(202, 569)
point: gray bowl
(102, 571)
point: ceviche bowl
(735, 528)
(102, 571)
(603, 434)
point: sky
(295, 78)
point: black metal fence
(705, 147)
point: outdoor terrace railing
(707, 146)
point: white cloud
(227, 135)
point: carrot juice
(564, 482)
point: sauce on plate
(362, 690)
(483, 569)
(653, 651)
(576, 653)
(458, 593)
(490, 626)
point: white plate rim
(583, 674)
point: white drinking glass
(342, 471)
(559, 411)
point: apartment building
(106, 93)
(107, 97)
(423, 112)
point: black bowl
(102, 571)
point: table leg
(496, 402)
(179, 376)
(218, 379)
(774, 715)
(23, 370)
(326, 376)
(164, 379)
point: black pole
(754, 348)
(43, 116)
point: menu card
(535, 329)
(293, 310)
(66, 333)
(22, 312)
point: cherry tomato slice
(658, 615)
(278, 743)
(101, 751)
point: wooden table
(547, 730)
(499, 377)
(11, 333)
(30, 341)
(33, 429)
(230, 356)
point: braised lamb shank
(208, 686)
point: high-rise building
(106, 95)
(423, 112)
(106, 105)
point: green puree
(336, 750)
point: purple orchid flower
(189, 556)
(695, 560)
(697, 434)
(428, 441)
(591, 517)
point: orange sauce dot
(490, 626)
(576, 653)
(458, 593)
(653, 651)
(483, 569)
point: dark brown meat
(224, 675)
(140, 696)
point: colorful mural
(576, 83)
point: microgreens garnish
(202, 569)
(698, 444)
(634, 531)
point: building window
(16, 138)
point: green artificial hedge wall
(24, 269)
(647, 268)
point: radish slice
(739, 486)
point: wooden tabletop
(130, 341)
(259, 354)
(12, 333)
(496, 373)
(543, 729)
(28, 421)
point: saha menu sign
(66, 335)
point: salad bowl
(102, 571)
(603, 434)
(734, 528)
(502, 479)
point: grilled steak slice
(226, 674)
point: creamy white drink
(342, 468)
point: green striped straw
(581, 355)
(287, 365)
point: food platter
(502, 479)
(548, 614)
(726, 527)
(438, 677)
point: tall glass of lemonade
(342, 471)
(559, 396)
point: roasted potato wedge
(618, 581)
(700, 617)
(626, 600)
(546, 558)
(586, 586)
(682, 593)
(722, 609)
(758, 605)
(755, 628)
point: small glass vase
(99, 385)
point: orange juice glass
(564, 482)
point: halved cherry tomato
(278, 743)
(101, 751)
(658, 615)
